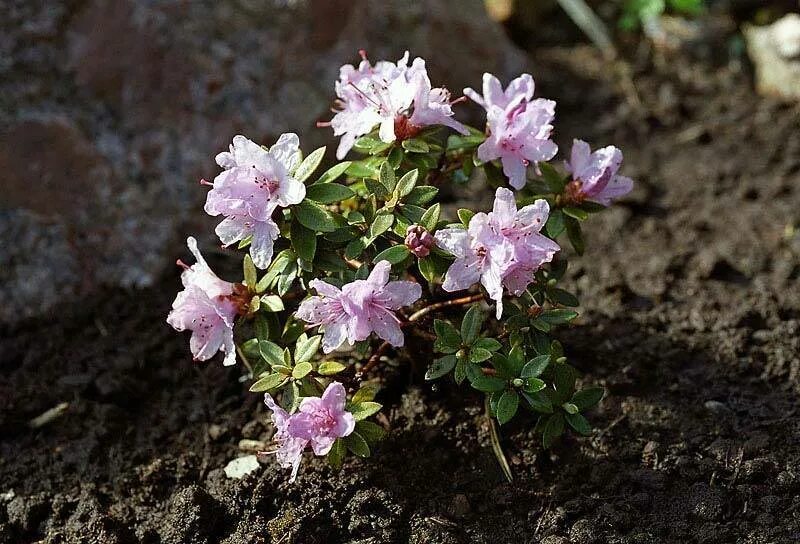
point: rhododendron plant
(359, 264)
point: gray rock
(114, 109)
(775, 51)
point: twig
(48, 416)
(244, 360)
(496, 447)
(416, 316)
(591, 25)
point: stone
(112, 110)
(775, 52)
(241, 466)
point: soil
(690, 319)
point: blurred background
(112, 110)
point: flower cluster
(347, 267)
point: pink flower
(518, 127)
(321, 420)
(254, 183)
(205, 308)
(359, 308)
(595, 174)
(500, 249)
(290, 447)
(397, 97)
(419, 241)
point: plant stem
(494, 436)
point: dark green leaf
(534, 385)
(576, 213)
(553, 429)
(415, 146)
(507, 406)
(575, 236)
(327, 193)
(535, 367)
(314, 217)
(371, 432)
(471, 324)
(478, 355)
(460, 372)
(395, 254)
(382, 223)
(448, 340)
(558, 316)
(487, 343)
(579, 423)
(565, 298)
(539, 402)
(488, 384)
(366, 393)
(336, 455)
(421, 195)
(555, 224)
(440, 367)
(355, 248)
(586, 398)
(356, 444)
(386, 177)
(272, 353)
(304, 241)
(552, 177)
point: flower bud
(419, 241)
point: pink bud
(419, 241)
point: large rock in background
(110, 110)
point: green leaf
(270, 352)
(304, 241)
(301, 370)
(448, 339)
(309, 164)
(366, 393)
(460, 371)
(272, 303)
(430, 218)
(516, 360)
(576, 213)
(458, 142)
(329, 368)
(471, 324)
(555, 224)
(250, 274)
(575, 236)
(362, 169)
(554, 180)
(363, 410)
(535, 367)
(382, 223)
(564, 381)
(370, 431)
(328, 193)
(355, 248)
(560, 296)
(534, 385)
(336, 455)
(268, 383)
(558, 316)
(432, 266)
(356, 444)
(553, 429)
(507, 406)
(478, 355)
(395, 157)
(415, 146)
(395, 254)
(406, 183)
(579, 423)
(488, 384)
(421, 195)
(440, 367)
(487, 343)
(333, 172)
(386, 177)
(539, 402)
(306, 348)
(586, 398)
(465, 215)
(314, 217)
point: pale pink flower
(595, 174)
(519, 128)
(290, 447)
(254, 183)
(500, 249)
(321, 420)
(359, 308)
(205, 308)
(395, 96)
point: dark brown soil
(690, 319)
